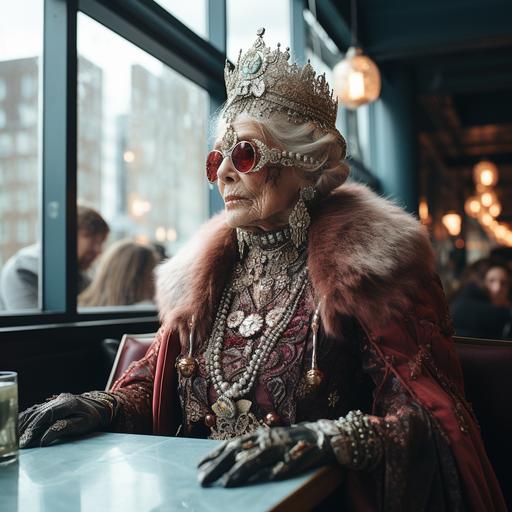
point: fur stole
(366, 259)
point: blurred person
(497, 282)
(19, 279)
(481, 307)
(124, 276)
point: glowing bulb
(472, 206)
(495, 209)
(488, 198)
(160, 234)
(140, 207)
(356, 85)
(487, 219)
(129, 156)
(356, 79)
(501, 231)
(452, 222)
(485, 173)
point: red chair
(487, 368)
(132, 348)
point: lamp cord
(353, 21)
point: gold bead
(187, 366)
(314, 377)
(272, 419)
(210, 420)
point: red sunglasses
(244, 157)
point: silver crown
(263, 82)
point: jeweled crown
(263, 82)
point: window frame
(153, 29)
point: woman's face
(260, 200)
(497, 284)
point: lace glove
(65, 415)
(281, 452)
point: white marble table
(121, 472)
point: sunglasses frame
(266, 155)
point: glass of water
(8, 417)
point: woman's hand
(65, 415)
(266, 455)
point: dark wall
(63, 358)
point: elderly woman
(304, 324)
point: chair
(487, 368)
(132, 348)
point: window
(21, 36)
(28, 114)
(28, 85)
(142, 131)
(24, 143)
(193, 14)
(244, 19)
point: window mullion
(59, 260)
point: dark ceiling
(459, 53)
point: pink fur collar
(366, 258)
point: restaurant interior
(106, 107)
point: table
(127, 472)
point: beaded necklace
(273, 265)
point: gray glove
(65, 415)
(281, 452)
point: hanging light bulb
(485, 174)
(500, 232)
(472, 206)
(452, 222)
(423, 211)
(486, 219)
(356, 78)
(495, 209)
(488, 198)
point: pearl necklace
(228, 393)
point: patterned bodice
(281, 394)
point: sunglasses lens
(213, 162)
(243, 157)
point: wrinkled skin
(266, 455)
(266, 197)
(63, 416)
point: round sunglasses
(251, 156)
(244, 157)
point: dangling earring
(314, 376)
(187, 365)
(299, 219)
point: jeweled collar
(267, 240)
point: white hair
(326, 147)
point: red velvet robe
(370, 262)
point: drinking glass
(8, 417)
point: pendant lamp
(356, 78)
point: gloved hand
(65, 415)
(269, 454)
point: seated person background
(19, 277)
(481, 307)
(124, 276)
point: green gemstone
(252, 65)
